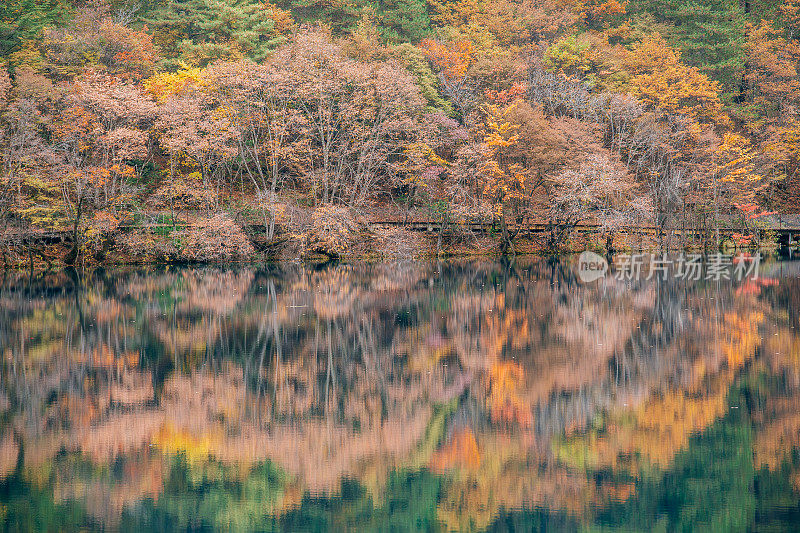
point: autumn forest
(200, 130)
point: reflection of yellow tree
(655, 430)
(317, 380)
(513, 473)
(777, 418)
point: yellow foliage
(166, 84)
(173, 441)
(660, 79)
(656, 430)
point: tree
(403, 20)
(341, 15)
(709, 35)
(590, 58)
(600, 13)
(439, 176)
(264, 122)
(789, 19)
(164, 85)
(24, 20)
(453, 61)
(510, 24)
(734, 178)
(598, 191)
(198, 137)
(660, 80)
(22, 155)
(94, 40)
(772, 80)
(201, 31)
(506, 179)
(414, 59)
(100, 130)
(356, 118)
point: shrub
(184, 193)
(333, 231)
(215, 239)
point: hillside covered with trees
(198, 130)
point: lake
(454, 396)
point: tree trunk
(72, 255)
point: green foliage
(581, 56)
(27, 507)
(710, 35)
(709, 486)
(404, 20)
(341, 15)
(572, 57)
(201, 31)
(396, 20)
(23, 20)
(569, 55)
(414, 60)
(409, 505)
(210, 496)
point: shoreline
(367, 249)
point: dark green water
(461, 396)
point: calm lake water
(446, 396)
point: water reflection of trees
(511, 381)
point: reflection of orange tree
(505, 405)
(650, 434)
(777, 416)
(483, 325)
(515, 470)
(348, 393)
(462, 450)
(512, 473)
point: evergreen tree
(23, 20)
(404, 20)
(200, 31)
(341, 15)
(710, 35)
(398, 21)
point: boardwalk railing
(785, 235)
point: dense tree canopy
(114, 110)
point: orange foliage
(597, 12)
(506, 96)
(452, 58)
(754, 286)
(506, 379)
(772, 72)
(461, 452)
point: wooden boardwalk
(786, 236)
